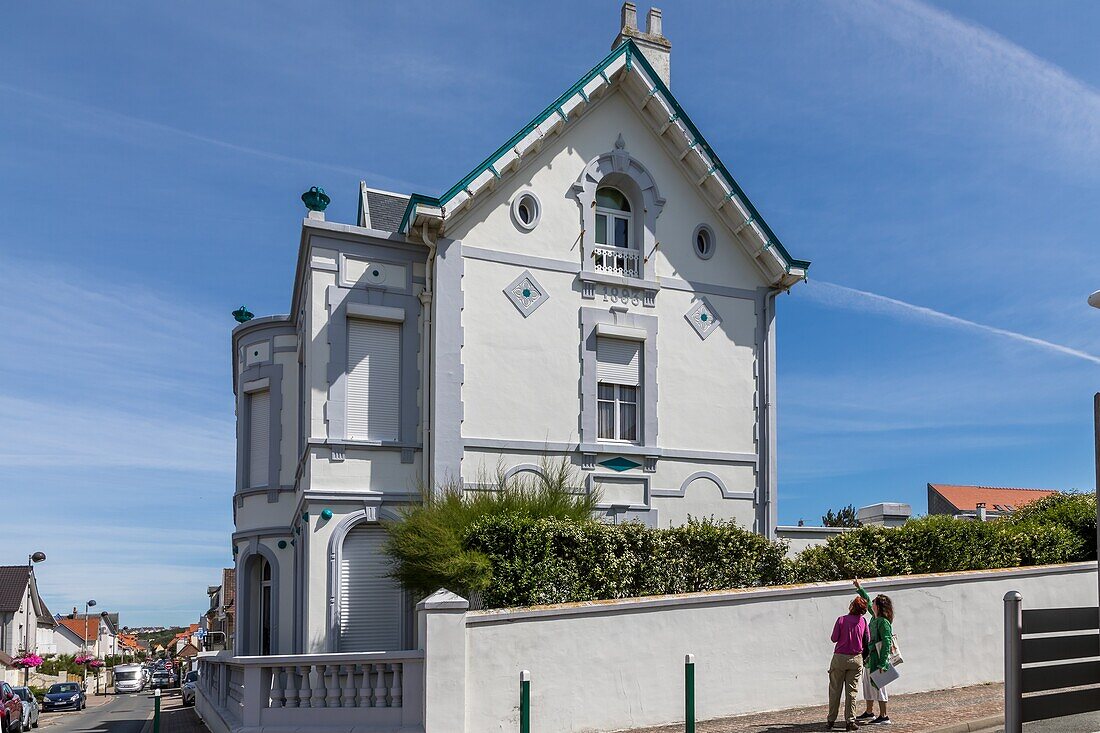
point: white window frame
(617, 402)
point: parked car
(190, 682)
(64, 695)
(11, 710)
(30, 706)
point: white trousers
(870, 692)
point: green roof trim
(633, 55)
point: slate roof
(997, 499)
(13, 585)
(384, 210)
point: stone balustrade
(382, 690)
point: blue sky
(939, 164)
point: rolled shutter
(618, 361)
(371, 611)
(374, 379)
(259, 436)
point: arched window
(263, 627)
(616, 250)
(612, 218)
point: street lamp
(87, 605)
(1094, 301)
(31, 560)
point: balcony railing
(368, 690)
(617, 261)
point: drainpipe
(427, 359)
(768, 468)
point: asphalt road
(120, 714)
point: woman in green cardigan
(882, 630)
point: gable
(625, 69)
(551, 176)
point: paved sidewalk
(925, 711)
(175, 718)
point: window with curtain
(618, 375)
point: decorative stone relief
(526, 293)
(619, 463)
(702, 317)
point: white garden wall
(606, 666)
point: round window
(526, 210)
(704, 242)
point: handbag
(895, 652)
(882, 677)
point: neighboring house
(96, 633)
(598, 290)
(25, 621)
(68, 636)
(219, 618)
(184, 639)
(984, 501)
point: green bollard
(524, 702)
(689, 694)
(156, 710)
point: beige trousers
(844, 673)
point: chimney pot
(651, 42)
(653, 22)
(629, 16)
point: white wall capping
(443, 600)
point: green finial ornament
(243, 315)
(282, 544)
(316, 199)
(326, 514)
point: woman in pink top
(850, 637)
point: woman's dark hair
(858, 607)
(885, 607)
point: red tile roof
(77, 626)
(997, 499)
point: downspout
(427, 360)
(769, 468)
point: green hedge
(934, 544)
(537, 561)
(536, 543)
(1074, 511)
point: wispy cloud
(867, 302)
(108, 122)
(1042, 99)
(100, 374)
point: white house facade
(599, 289)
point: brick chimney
(651, 41)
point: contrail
(179, 132)
(844, 297)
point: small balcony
(617, 261)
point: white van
(129, 678)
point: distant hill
(159, 637)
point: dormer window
(614, 235)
